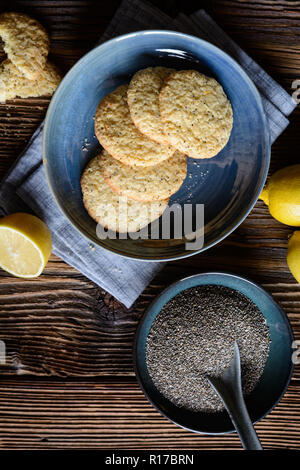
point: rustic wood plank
(115, 415)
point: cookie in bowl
(112, 211)
(117, 133)
(196, 114)
(153, 183)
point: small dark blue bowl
(276, 375)
(228, 185)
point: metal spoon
(229, 387)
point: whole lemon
(282, 195)
(293, 255)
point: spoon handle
(229, 388)
(236, 407)
(238, 412)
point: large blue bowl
(278, 368)
(228, 185)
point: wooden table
(69, 381)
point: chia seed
(194, 334)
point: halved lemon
(25, 245)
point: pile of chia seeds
(194, 335)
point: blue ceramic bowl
(228, 184)
(277, 372)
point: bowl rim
(169, 288)
(200, 42)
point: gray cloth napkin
(25, 187)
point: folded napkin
(25, 187)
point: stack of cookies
(146, 130)
(26, 71)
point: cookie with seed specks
(117, 133)
(145, 184)
(26, 43)
(143, 101)
(196, 114)
(112, 211)
(13, 83)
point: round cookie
(143, 101)
(13, 84)
(196, 114)
(26, 43)
(144, 184)
(112, 211)
(117, 133)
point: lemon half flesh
(25, 245)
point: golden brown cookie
(26, 43)
(118, 135)
(143, 101)
(13, 83)
(196, 114)
(144, 184)
(112, 211)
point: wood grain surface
(68, 382)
